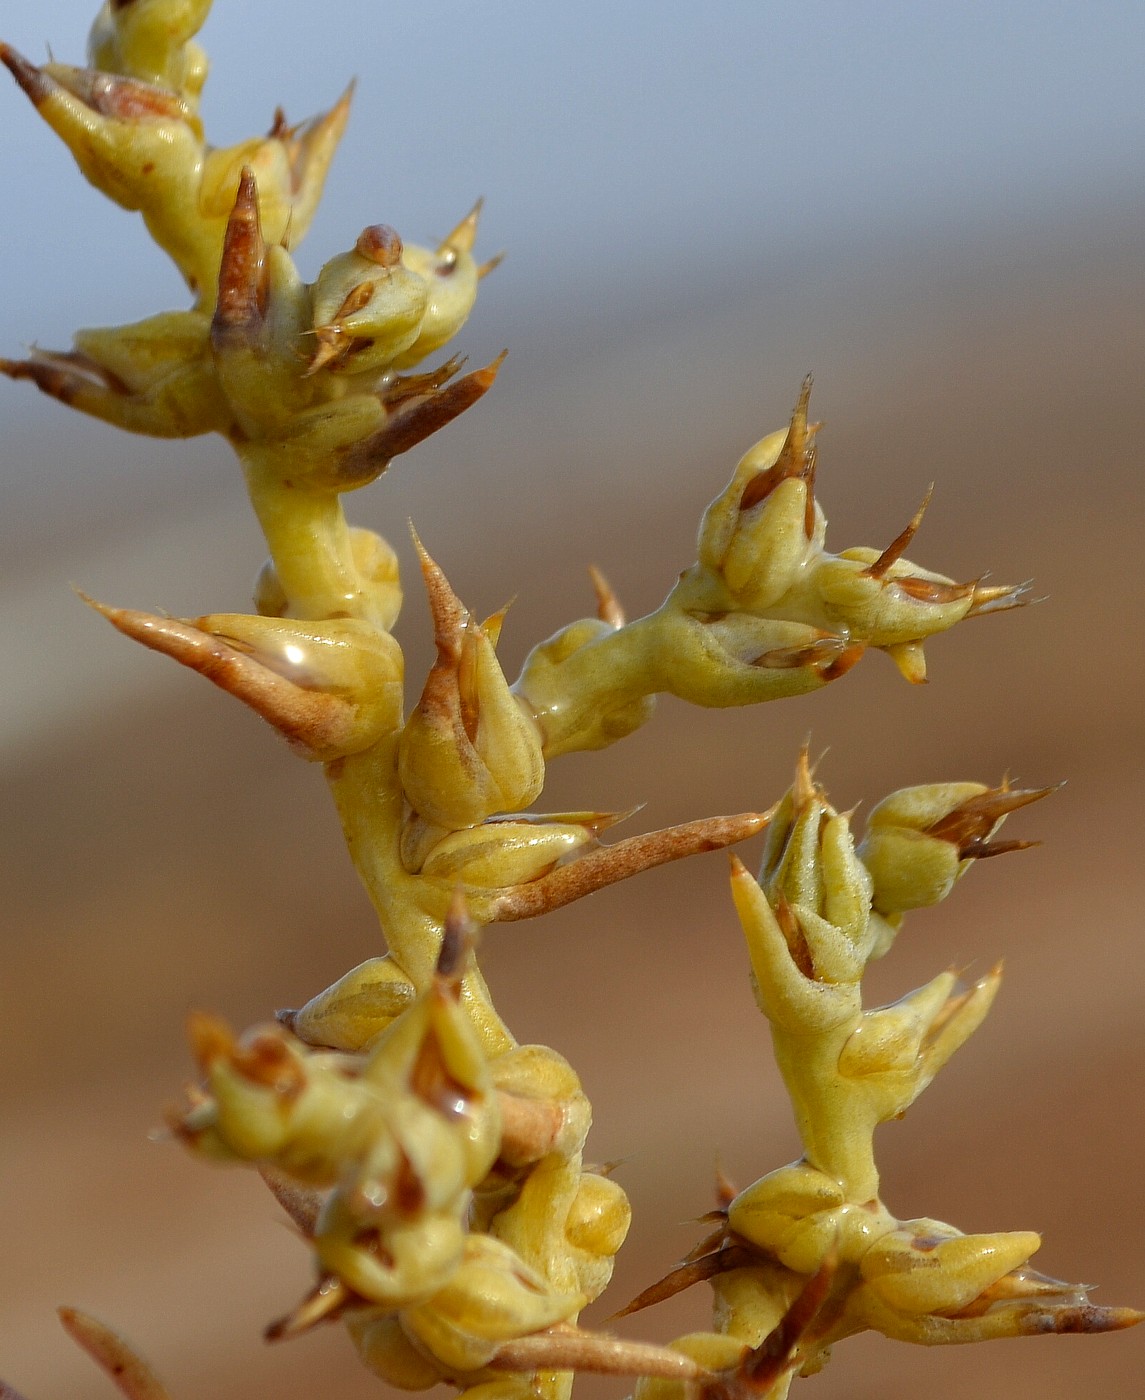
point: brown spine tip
(798, 458)
(445, 607)
(301, 1203)
(33, 81)
(329, 1297)
(412, 386)
(457, 941)
(242, 281)
(689, 1273)
(803, 789)
(608, 607)
(413, 420)
(901, 542)
(463, 237)
(969, 825)
(490, 265)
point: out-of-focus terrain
(161, 852)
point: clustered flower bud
(765, 612)
(819, 911)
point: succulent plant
(434, 1166)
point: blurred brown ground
(172, 855)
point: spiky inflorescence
(434, 1165)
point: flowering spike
(434, 1167)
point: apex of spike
(608, 607)
(310, 149)
(901, 542)
(242, 295)
(1002, 597)
(32, 81)
(797, 458)
(970, 825)
(462, 238)
(458, 941)
(804, 789)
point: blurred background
(938, 209)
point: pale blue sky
(618, 145)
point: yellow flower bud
(769, 1212)
(599, 1216)
(509, 851)
(926, 1266)
(469, 749)
(920, 840)
(385, 1349)
(810, 866)
(151, 40)
(356, 1008)
(765, 526)
(367, 306)
(491, 1298)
